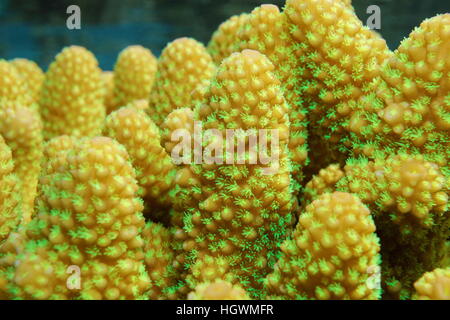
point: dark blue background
(36, 29)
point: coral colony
(94, 205)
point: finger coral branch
(266, 30)
(183, 64)
(337, 60)
(154, 168)
(408, 197)
(89, 219)
(225, 39)
(72, 96)
(22, 129)
(10, 200)
(239, 211)
(407, 107)
(134, 75)
(13, 86)
(32, 74)
(332, 254)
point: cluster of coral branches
(93, 206)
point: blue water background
(30, 29)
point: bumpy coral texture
(218, 290)
(9, 250)
(158, 258)
(32, 74)
(267, 31)
(366, 126)
(323, 182)
(88, 225)
(208, 269)
(367, 102)
(10, 200)
(434, 285)
(409, 102)
(331, 253)
(407, 196)
(55, 151)
(72, 96)
(134, 75)
(183, 64)
(154, 168)
(337, 59)
(57, 146)
(411, 189)
(225, 39)
(238, 212)
(22, 129)
(13, 86)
